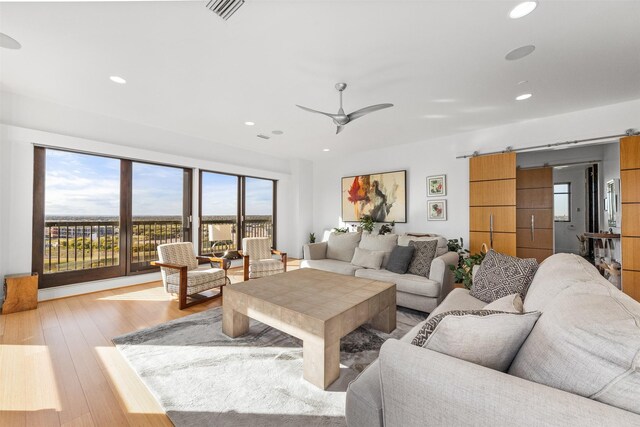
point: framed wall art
(381, 195)
(437, 210)
(437, 185)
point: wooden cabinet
(534, 216)
(492, 203)
(630, 188)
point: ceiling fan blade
(339, 129)
(366, 110)
(315, 111)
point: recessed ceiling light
(520, 52)
(117, 79)
(249, 123)
(9, 42)
(326, 149)
(277, 132)
(523, 96)
(522, 9)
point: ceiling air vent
(224, 8)
(263, 136)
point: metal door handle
(491, 231)
(533, 227)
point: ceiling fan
(341, 119)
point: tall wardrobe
(511, 209)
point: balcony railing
(72, 245)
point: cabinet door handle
(533, 227)
(491, 231)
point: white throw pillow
(367, 259)
(484, 337)
(509, 304)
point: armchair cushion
(264, 267)
(257, 247)
(197, 280)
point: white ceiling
(191, 73)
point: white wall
(437, 156)
(565, 232)
(16, 169)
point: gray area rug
(201, 377)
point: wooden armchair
(180, 273)
(257, 261)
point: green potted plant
(367, 223)
(312, 237)
(463, 271)
(340, 230)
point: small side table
(20, 292)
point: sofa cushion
(557, 273)
(377, 242)
(509, 304)
(341, 246)
(331, 265)
(400, 259)
(484, 337)
(409, 283)
(367, 259)
(442, 249)
(587, 342)
(423, 255)
(500, 275)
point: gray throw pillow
(400, 259)
(423, 254)
(484, 337)
(500, 275)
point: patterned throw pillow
(485, 337)
(423, 254)
(500, 275)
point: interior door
(630, 189)
(492, 203)
(534, 213)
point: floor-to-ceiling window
(233, 207)
(98, 217)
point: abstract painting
(437, 210)
(381, 195)
(436, 185)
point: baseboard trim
(95, 286)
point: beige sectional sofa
(579, 366)
(416, 292)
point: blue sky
(81, 184)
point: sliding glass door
(233, 207)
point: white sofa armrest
(441, 273)
(315, 250)
(422, 387)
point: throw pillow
(367, 259)
(378, 242)
(484, 337)
(423, 254)
(400, 259)
(500, 275)
(509, 304)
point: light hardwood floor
(59, 367)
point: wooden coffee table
(315, 306)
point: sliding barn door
(492, 203)
(534, 213)
(630, 189)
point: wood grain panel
(543, 218)
(541, 198)
(495, 166)
(631, 253)
(542, 238)
(630, 152)
(630, 219)
(630, 186)
(631, 283)
(492, 193)
(539, 254)
(504, 218)
(534, 178)
(502, 242)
